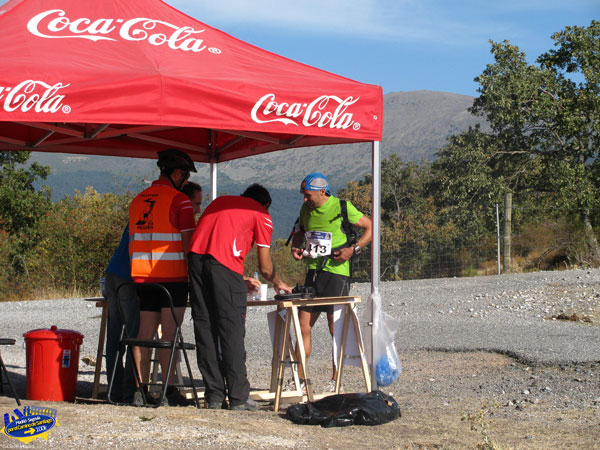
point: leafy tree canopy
(545, 133)
(20, 204)
(544, 116)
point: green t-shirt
(328, 218)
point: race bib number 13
(318, 243)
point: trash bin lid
(54, 333)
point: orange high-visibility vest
(155, 246)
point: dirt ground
(448, 401)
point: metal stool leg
(174, 345)
(12, 387)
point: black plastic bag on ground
(374, 408)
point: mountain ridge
(416, 125)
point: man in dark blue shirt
(118, 272)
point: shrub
(77, 238)
(288, 269)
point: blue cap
(315, 182)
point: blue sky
(401, 45)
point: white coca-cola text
(33, 95)
(54, 24)
(324, 111)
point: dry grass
(49, 293)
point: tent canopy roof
(131, 77)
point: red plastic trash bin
(52, 363)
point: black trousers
(219, 302)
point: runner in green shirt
(327, 218)
(320, 235)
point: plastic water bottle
(256, 294)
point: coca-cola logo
(55, 24)
(324, 111)
(33, 95)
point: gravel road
(461, 340)
(508, 314)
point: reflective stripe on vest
(157, 256)
(155, 246)
(157, 236)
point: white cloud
(308, 14)
(413, 21)
(379, 19)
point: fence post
(498, 236)
(507, 230)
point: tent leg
(375, 246)
(213, 180)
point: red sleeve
(264, 229)
(182, 213)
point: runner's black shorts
(153, 298)
(326, 284)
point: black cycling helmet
(175, 159)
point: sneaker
(331, 386)
(249, 405)
(290, 385)
(217, 405)
(138, 401)
(174, 398)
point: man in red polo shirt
(226, 232)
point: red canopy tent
(131, 77)
(128, 78)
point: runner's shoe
(290, 385)
(248, 405)
(174, 398)
(138, 401)
(331, 386)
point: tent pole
(213, 181)
(375, 247)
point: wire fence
(429, 260)
(538, 240)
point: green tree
(411, 234)
(544, 120)
(20, 204)
(576, 65)
(465, 182)
(471, 175)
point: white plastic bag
(387, 364)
